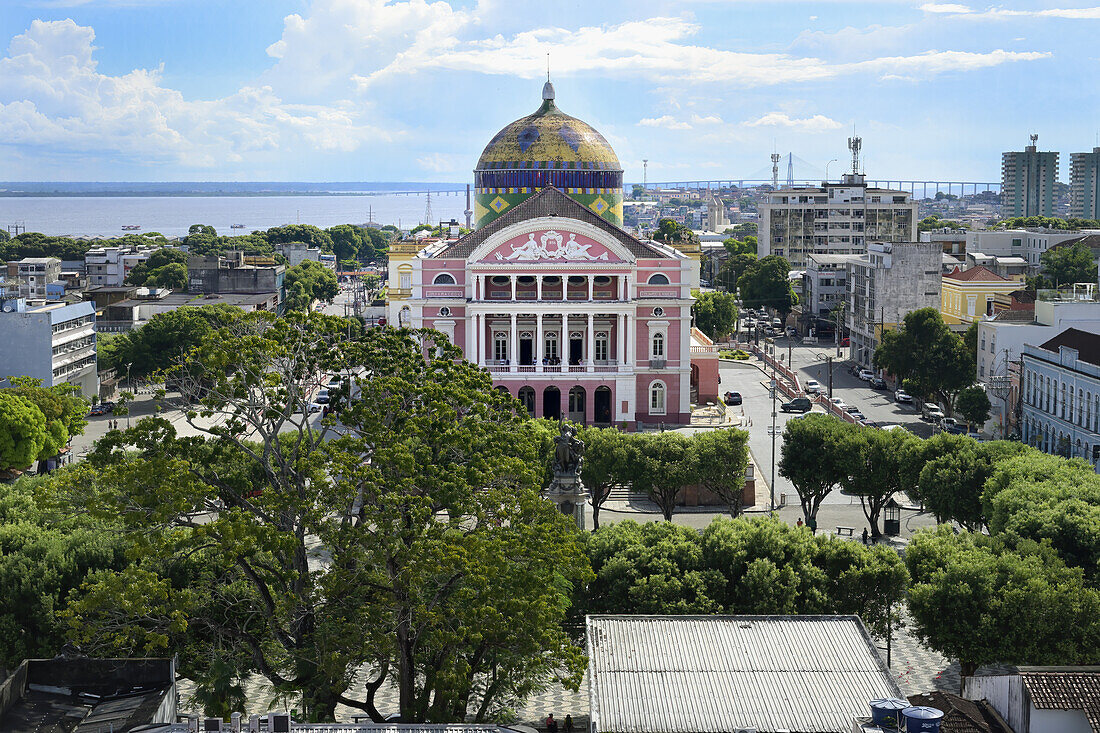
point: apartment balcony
(526, 371)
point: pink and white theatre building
(568, 312)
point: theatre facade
(567, 311)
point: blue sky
(377, 90)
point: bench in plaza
(845, 531)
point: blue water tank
(886, 712)
(920, 719)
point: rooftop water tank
(886, 711)
(920, 719)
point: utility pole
(829, 361)
(645, 176)
(771, 484)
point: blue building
(1060, 405)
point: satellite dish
(9, 308)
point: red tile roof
(977, 274)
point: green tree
(606, 464)
(305, 233)
(766, 283)
(721, 458)
(426, 506)
(954, 473)
(732, 270)
(934, 221)
(661, 465)
(64, 410)
(347, 241)
(637, 191)
(877, 465)
(927, 356)
(974, 601)
(173, 277)
(22, 431)
(672, 233)
(1068, 264)
(715, 313)
(45, 555)
(812, 459)
(746, 246)
(308, 282)
(143, 271)
(168, 337)
(973, 405)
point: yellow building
(967, 295)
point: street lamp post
(827, 169)
(130, 388)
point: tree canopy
(812, 459)
(163, 269)
(766, 283)
(925, 354)
(673, 233)
(426, 504)
(168, 337)
(1068, 264)
(308, 282)
(715, 313)
(972, 404)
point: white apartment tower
(1084, 185)
(1027, 181)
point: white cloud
(442, 162)
(667, 122)
(816, 123)
(52, 95)
(1092, 13)
(706, 120)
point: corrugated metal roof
(711, 674)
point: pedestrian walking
(798, 523)
(551, 724)
(865, 535)
(568, 724)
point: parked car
(732, 398)
(812, 386)
(902, 396)
(314, 407)
(776, 323)
(322, 397)
(838, 403)
(865, 374)
(798, 404)
(931, 411)
(953, 426)
(878, 383)
(103, 408)
(792, 331)
(846, 341)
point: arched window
(1080, 400)
(443, 279)
(657, 398)
(658, 279)
(657, 349)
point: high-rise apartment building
(1084, 185)
(835, 218)
(1027, 181)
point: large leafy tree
(305, 233)
(671, 232)
(715, 313)
(1068, 264)
(740, 566)
(721, 458)
(766, 283)
(22, 431)
(606, 464)
(954, 474)
(973, 600)
(64, 410)
(322, 554)
(972, 404)
(163, 268)
(45, 555)
(877, 464)
(927, 356)
(308, 282)
(812, 459)
(661, 464)
(168, 337)
(732, 270)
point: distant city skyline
(408, 90)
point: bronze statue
(568, 451)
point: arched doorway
(551, 403)
(577, 398)
(527, 397)
(602, 404)
(694, 396)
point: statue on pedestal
(566, 488)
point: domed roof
(548, 139)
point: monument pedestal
(569, 494)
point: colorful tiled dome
(548, 148)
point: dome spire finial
(548, 88)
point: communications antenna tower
(775, 170)
(855, 144)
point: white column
(564, 287)
(538, 285)
(620, 340)
(513, 352)
(540, 342)
(591, 279)
(630, 348)
(513, 279)
(591, 341)
(479, 336)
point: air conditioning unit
(9, 307)
(744, 730)
(212, 725)
(278, 722)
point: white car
(866, 375)
(812, 386)
(838, 403)
(903, 396)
